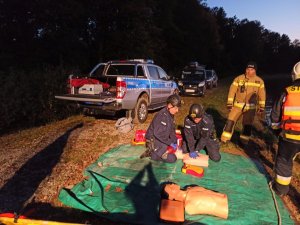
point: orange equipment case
(193, 170)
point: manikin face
(172, 109)
(250, 72)
(197, 120)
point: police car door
(154, 84)
(166, 85)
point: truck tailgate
(86, 98)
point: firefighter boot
(227, 131)
(245, 136)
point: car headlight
(201, 84)
(180, 83)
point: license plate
(189, 90)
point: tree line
(44, 41)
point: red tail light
(121, 89)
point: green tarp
(124, 188)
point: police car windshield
(193, 75)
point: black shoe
(276, 191)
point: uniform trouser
(284, 165)
(159, 152)
(234, 115)
(212, 147)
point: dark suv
(211, 79)
(193, 80)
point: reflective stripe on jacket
(286, 112)
(291, 113)
(247, 92)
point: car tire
(141, 110)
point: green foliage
(27, 98)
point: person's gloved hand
(229, 106)
(174, 146)
(193, 155)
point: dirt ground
(37, 163)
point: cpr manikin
(198, 200)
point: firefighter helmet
(296, 71)
(174, 100)
(196, 111)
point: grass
(93, 137)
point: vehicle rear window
(120, 70)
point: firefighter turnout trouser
(284, 164)
(234, 115)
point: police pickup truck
(132, 85)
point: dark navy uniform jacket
(203, 130)
(162, 130)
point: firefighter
(286, 117)
(199, 132)
(161, 133)
(246, 97)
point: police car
(135, 85)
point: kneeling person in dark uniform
(199, 132)
(162, 132)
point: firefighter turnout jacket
(286, 116)
(200, 135)
(246, 96)
(162, 133)
(247, 93)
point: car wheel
(141, 110)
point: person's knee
(215, 157)
(171, 158)
(155, 157)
